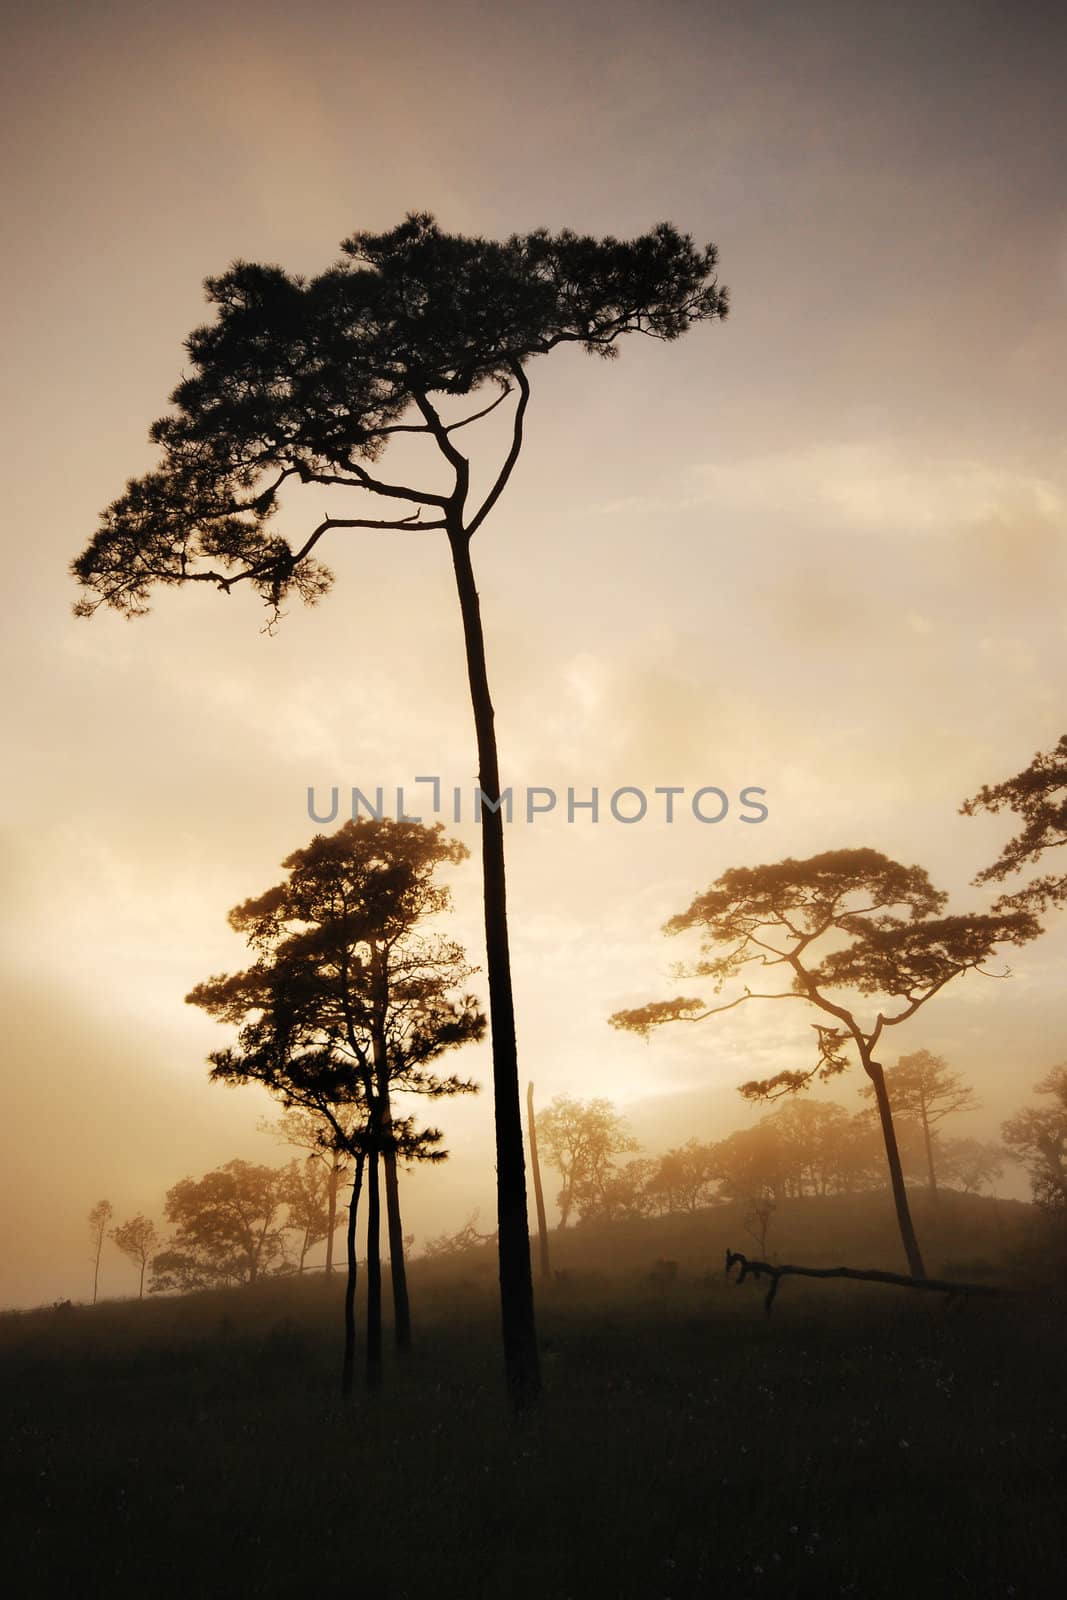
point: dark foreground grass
(862, 1441)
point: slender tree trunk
(374, 1271)
(397, 1269)
(516, 1277)
(397, 1266)
(331, 1224)
(539, 1193)
(350, 1283)
(929, 1142)
(96, 1270)
(896, 1176)
(143, 1266)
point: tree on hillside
(1038, 1138)
(307, 382)
(751, 1163)
(923, 1086)
(1038, 797)
(971, 1164)
(847, 922)
(305, 1190)
(821, 1148)
(615, 1193)
(803, 1148)
(581, 1140)
(311, 1131)
(683, 1179)
(99, 1222)
(350, 1003)
(138, 1239)
(227, 1229)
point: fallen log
(758, 1269)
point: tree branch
(513, 454)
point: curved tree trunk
(539, 1194)
(516, 1278)
(374, 1271)
(350, 1284)
(896, 1175)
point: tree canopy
(341, 968)
(1038, 796)
(581, 1140)
(885, 939)
(309, 380)
(227, 1228)
(1038, 1138)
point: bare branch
(758, 1269)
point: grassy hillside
(861, 1441)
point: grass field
(862, 1441)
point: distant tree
(775, 916)
(227, 1228)
(305, 1190)
(350, 1003)
(99, 1222)
(752, 1162)
(759, 1216)
(138, 1240)
(1038, 796)
(971, 1164)
(684, 1178)
(310, 381)
(311, 1131)
(1038, 1138)
(615, 1193)
(923, 1086)
(581, 1140)
(820, 1148)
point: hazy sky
(819, 548)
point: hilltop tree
(581, 1140)
(307, 382)
(615, 1193)
(311, 1131)
(971, 1164)
(1038, 796)
(137, 1239)
(683, 1178)
(227, 1228)
(348, 1004)
(305, 1190)
(834, 924)
(1038, 1138)
(803, 1148)
(751, 1163)
(922, 1086)
(822, 1149)
(99, 1222)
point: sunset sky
(819, 548)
